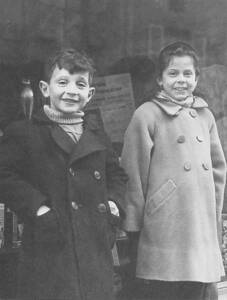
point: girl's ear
(159, 82)
(91, 93)
(197, 79)
(44, 88)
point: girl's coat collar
(174, 109)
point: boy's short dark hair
(176, 49)
(71, 60)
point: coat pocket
(160, 197)
(47, 230)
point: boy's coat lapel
(87, 144)
(62, 139)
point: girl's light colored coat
(175, 193)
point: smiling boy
(69, 92)
(59, 173)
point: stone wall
(111, 29)
(32, 28)
(131, 27)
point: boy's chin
(71, 110)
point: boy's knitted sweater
(72, 124)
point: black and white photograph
(113, 149)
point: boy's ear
(44, 88)
(91, 93)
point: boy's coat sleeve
(15, 191)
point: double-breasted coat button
(199, 138)
(205, 166)
(74, 205)
(193, 113)
(187, 166)
(97, 175)
(71, 171)
(181, 139)
(102, 208)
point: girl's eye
(188, 73)
(172, 73)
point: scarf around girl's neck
(171, 106)
(163, 96)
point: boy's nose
(71, 89)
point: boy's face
(68, 93)
(179, 79)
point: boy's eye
(81, 84)
(62, 82)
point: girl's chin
(181, 97)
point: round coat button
(181, 139)
(97, 175)
(71, 171)
(205, 166)
(187, 166)
(102, 208)
(74, 205)
(193, 113)
(199, 138)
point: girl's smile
(179, 78)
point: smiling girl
(176, 167)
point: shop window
(177, 5)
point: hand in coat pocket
(114, 220)
(47, 230)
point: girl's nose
(180, 78)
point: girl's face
(68, 93)
(179, 78)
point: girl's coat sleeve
(135, 160)
(116, 179)
(219, 168)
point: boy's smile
(179, 78)
(68, 93)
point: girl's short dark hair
(176, 49)
(71, 60)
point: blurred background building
(122, 36)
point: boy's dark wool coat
(66, 252)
